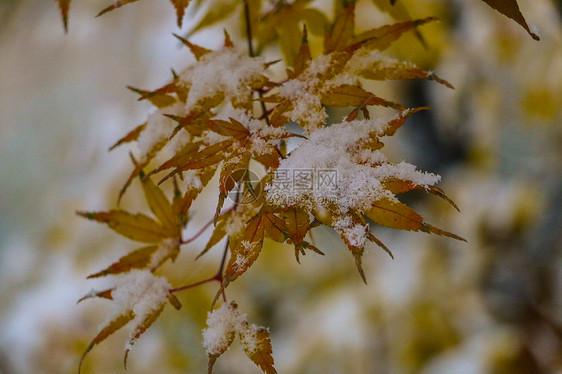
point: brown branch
(252, 53)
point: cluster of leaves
(215, 123)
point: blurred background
(492, 305)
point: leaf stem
(201, 231)
(215, 278)
(252, 54)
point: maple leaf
(137, 259)
(138, 227)
(296, 225)
(214, 12)
(366, 185)
(282, 23)
(180, 6)
(187, 101)
(246, 252)
(239, 145)
(382, 37)
(64, 6)
(330, 79)
(140, 297)
(398, 12)
(510, 8)
(257, 346)
(117, 4)
(342, 30)
(223, 324)
(116, 324)
(130, 137)
(373, 65)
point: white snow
(356, 234)
(339, 150)
(221, 323)
(166, 248)
(160, 127)
(139, 291)
(227, 70)
(372, 59)
(225, 321)
(305, 91)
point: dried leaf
(218, 233)
(342, 32)
(148, 320)
(159, 204)
(197, 51)
(105, 294)
(233, 128)
(117, 4)
(230, 335)
(227, 40)
(358, 256)
(510, 8)
(64, 6)
(261, 353)
(157, 98)
(297, 223)
(395, 215)
(247, 251)
(278, 117)
(397, 186)
(217, 11)
(183, 156)
(397, 122)
(348, 95)
(399, 13)
(137, 259)
(388, 69)
(268, 157)
(109, 329)
(382, 37)
(141, 165)
(374, 239)
(302, 60)
(426, 227)
(195, 160)
(136, 227)
(275, 227)
(180, 6)
(130, 137)
(399, 216)
(174, 301)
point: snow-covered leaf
(147, 320)
(257, 346)
(114, 325)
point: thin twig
(201, 231)
(252, 54)
(195, 284)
